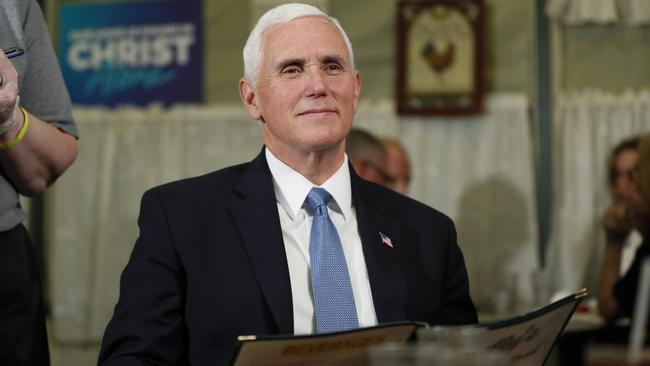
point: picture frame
(439, 57)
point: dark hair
(360, 144)
(631, 143)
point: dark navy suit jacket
(210, 265)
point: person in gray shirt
(37, 144)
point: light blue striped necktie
(330, 281)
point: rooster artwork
(438, 57)
(440, 52)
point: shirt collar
(291, 188)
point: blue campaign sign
(132, 52)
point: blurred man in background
(367, 156)
(398, 166)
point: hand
(8, 94)
(616, 222)
(608, 307)
(639, 215)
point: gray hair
(278, 15)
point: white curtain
(478, 170)
(93, 208)
(573, 12)
(587, 127)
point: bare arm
(609, 274)
(617, 226)
(39, 158)
(44, 151)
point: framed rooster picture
(439, 57)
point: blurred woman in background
(637, 215)
(621, 239)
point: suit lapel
(383, 262)
(255, 213)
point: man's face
(624, 187)
(398, 168)
(306, 93)
(372, 169)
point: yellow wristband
(21, 133)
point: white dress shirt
(291, 189)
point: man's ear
(356, 82)
(358, 166)
(249, 99)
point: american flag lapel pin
(386, 240)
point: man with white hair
(293, 242)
